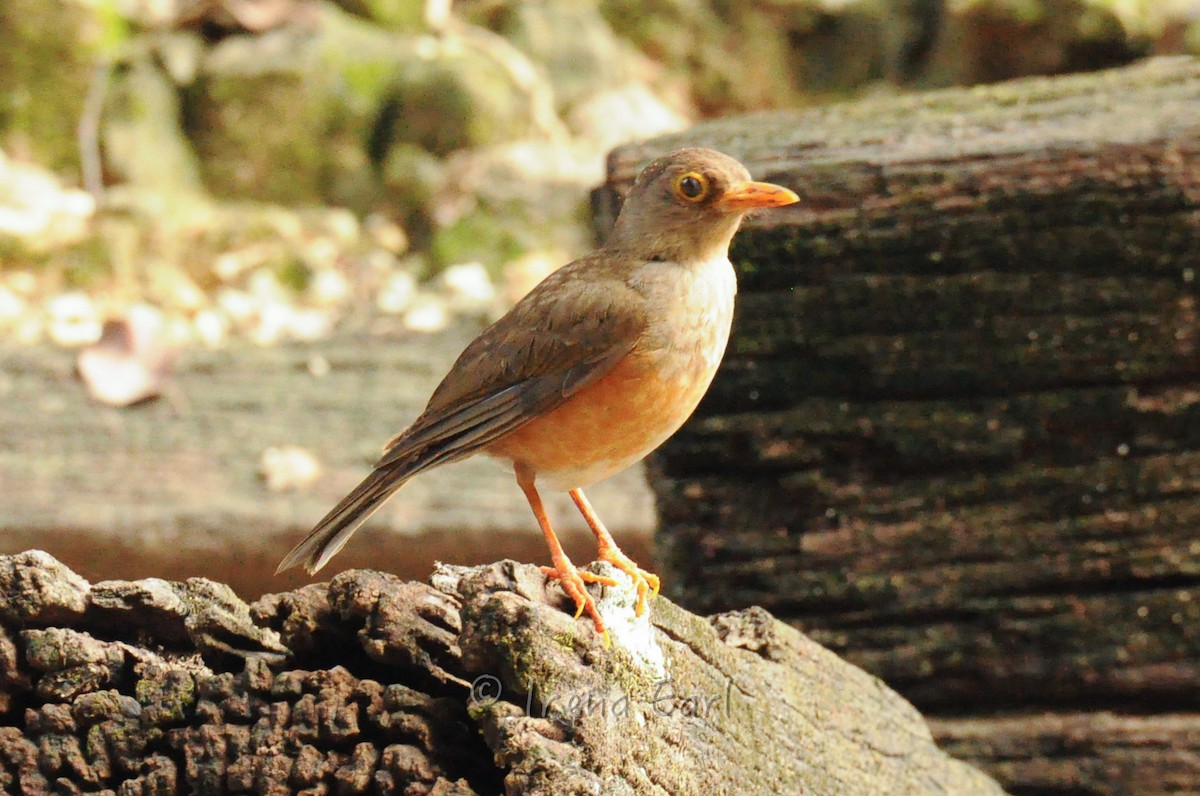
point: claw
(572, 582)
(643, 581)
(584, 575)
(603, 580)
(608, 551)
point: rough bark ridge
(956, 437)
(478, 683)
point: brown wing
(571, 330)
(567, 333)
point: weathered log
(1103, 753)
(477, 683)
(172, 488)
(955, 437)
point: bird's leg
(571, 579)
(608, 551)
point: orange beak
(748, 195)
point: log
(1101, 753)
(955, 436)
(477, 682)
(173, 488)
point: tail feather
(335, 529)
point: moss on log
(476, 683)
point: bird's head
(687, 205)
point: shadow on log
(476, 683)
(956, 437)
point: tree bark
(1065, 754)
(477, 683)
(955, 435)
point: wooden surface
(1102, 752)
(173, 488)
(477, 683)
(956, 435)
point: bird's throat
(685, 244)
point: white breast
(691, 312)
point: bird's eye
(691, 187)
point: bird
(591, 371)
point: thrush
(590, 371)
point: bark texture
(956, 437)
(476, 683)
(1075, 752)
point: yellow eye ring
(691, 187)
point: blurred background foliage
(272, 169)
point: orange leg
(571, 579)
(608, 551)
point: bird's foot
(573, 582)
(645, 582)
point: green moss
(294, 274)
(457, 98)
(255, 137)
(48, 50)
(292, 124)
(407, 15)
(95, 744)
(1026, 12)
(485, 236)
(86, 264)
(168, 700)
(15, 255)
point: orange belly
(608, 425)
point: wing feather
(571, 330)
(568, 332)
